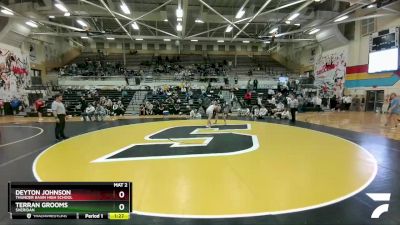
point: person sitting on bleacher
(100, 112)
(280, 107)
(118, 109)
(263, 112)
(89, 112)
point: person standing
(59, 114)
(394, 111)
(40, 106)
(255, 84)
(294, 104)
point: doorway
(374, 100)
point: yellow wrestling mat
(179, 169)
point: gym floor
(278, 179)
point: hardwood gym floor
(364, 122)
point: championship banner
(14, 72)
(330, 71)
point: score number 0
(121, 195)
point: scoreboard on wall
(76, 200)
(385, 39)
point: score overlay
(70, 200)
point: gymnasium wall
(358, 80)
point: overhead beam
(204, 39)
(115, 18)
(128, 18)
(245, 19)
(145, 14)
(252, 18)
(223, 17)
(44, 22)
(305, 4)
(330, 24)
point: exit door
(374, 100)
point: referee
(59, 114)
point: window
(221, 48)
(127, 46)
(138, 46)
(150, 46)
(210, 47)
(99, 45)
(232, 48)
(244, 48)
(112, 45)
(367, 26)
(254, 48)
(162, 46)
(198, 47)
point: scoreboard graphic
(76, 200)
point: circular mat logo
(180, 168)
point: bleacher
(71, 98)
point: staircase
(136, 101)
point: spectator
(89, 112)
(2, 107)
(263, 112)
(285, 114)
(100, 112)
(15, 105)
(83, 103)
(259, 101)
(247, 98)
(118, 109)
(294, 104)
(255, 84)
(40, 107)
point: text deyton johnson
(42, 192)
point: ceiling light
(179, 27)
(297, 24)
(32, 24)
(317, 0)
(194, 40)
(273, 30)
(371, 6)
(167, 39)
(292, 17)
(179, 12)
(165, 20)
(135, 26)
(125, 8)
(313, 31)
(267, 42)
(240, 14)
(110, 38)
(220, 41)
(287, 21)
(139, 39)
(85, 37)
(61, 7)
(341, 18)
(67, 14)
(246, 42)
(7, 12)
(199, 21)
(179, 19)
(229, 29)
(52, 17)
(83, 24)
